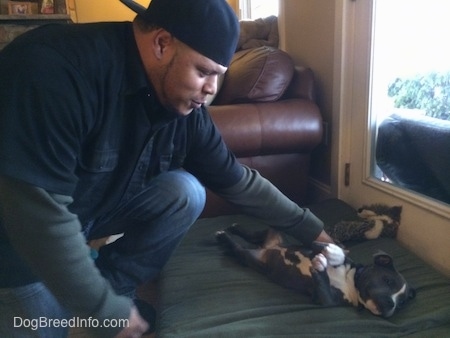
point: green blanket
(206, 293)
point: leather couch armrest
(302, 84)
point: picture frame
(21, 8)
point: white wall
(308, 36)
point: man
(103, 131)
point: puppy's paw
(222, 236)
(319, 262)
(220, 233)
(334, 254)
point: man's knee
(186, 190)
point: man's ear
(161, 41)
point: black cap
(208, 26)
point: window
(425, 221)
(410, 95)
(254, 9)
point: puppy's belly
(291, 270)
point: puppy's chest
(292, 267)
(342, 277)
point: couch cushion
(256, 75)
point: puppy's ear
(383, 259)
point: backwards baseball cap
(208, 26)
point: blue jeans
(25, 310)
(153, 222)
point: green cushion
(206, 293)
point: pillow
(256, 75)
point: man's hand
(324, 237)
(136, 326)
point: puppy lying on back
(324, 272)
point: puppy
(324, 271)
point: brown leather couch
(266, 112)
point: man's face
(187, 79)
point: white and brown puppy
(324, 271)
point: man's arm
(256, 196)
(48, 237)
